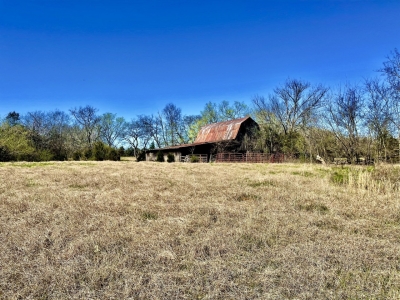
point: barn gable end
(210, 138)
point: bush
(121, 151)
(99, 151)
(194, 159)
(44, 155)
(129, 152)
(113, 154)
(88, 154)
(141, 156)
(59, 155)
(170, 158)
(76, 155)
(340, 175)
(5, 154)
(160, 156)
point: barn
(229, 136)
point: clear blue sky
(134, 57)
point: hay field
(127, 230)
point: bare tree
(133, 135)
(39, 126)
(378, 115)
(88, 120)
(152, 129)
(293, 107)
(171, 122)
(47, 130)
(391, 71)
(295, 102)
(345, 118)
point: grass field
(127, 230)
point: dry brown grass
(126, 230)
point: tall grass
(379, 179)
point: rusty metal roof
(221, 131)
(176, 147)
(211, 133)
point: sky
(134, 57)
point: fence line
(201, 158)
(249, 157)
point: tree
(38, 125)
(13, 118)
(378, 114)
(287, 115)
(112, 128)
(293, 104)
(151, 130)
(58, 134)
(391, 72)
(136, 135)
(226, 111)
(269, 136)
(213, 113)
(171, 122)
(47, 131)
(345, 118)
(16, 145)
(88, 121)
(187, 134)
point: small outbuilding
(228, 136)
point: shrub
(99, 151)
(194, 159)
(141, 156)
(88, 154)
(129, 152)
(59, 155)
(160, 156)
(44, 155)
(5, 154)
(340, 175)
(76, 155)
(121, 151)
(170, 158)
(113, 154)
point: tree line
(82, 133)
(298, 118)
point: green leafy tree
(112, 128)
(213, 113)
(13, 118)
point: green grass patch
(245, 197)
(261, 183)
(149, 215)
(305, 173)
(340, 175)
(313, 207)
(89, 164)
(249, 242)
(32, 164)
(77, 186)
(31, 183)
